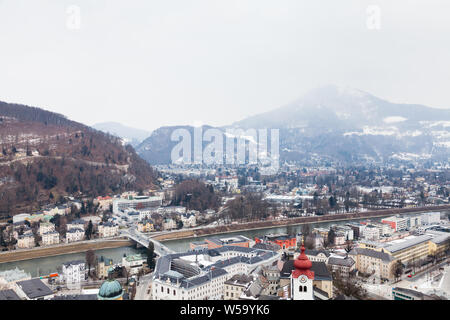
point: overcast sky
(152, 63)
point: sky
(148, 63)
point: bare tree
(90, 260)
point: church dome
(303, 265)
(110, 290)
(302, 262)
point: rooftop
(34, 288)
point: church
(302, 278)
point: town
(395, 255)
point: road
(143, 287)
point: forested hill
(44, 156)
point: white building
(431, 218)
(108, 229)
(139, 202)
(74, 272)
(201, 274)
(134, 263)
(74, 234)
(20, 217)
(26, 241)
(46, 227)
(189, 220)
(169, 224)
(50, 238)
(371, 233)
(76, 224)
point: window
(301, 288)
(305, 288)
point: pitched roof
(372, 253)
(345, 262)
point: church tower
(302, 278)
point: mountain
(157, 148)
(130, 135)
(351, 125)
(342, 124)
(44, 155)
(343, 108)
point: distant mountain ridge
(343, 124)
(44, 155)
(130, 135)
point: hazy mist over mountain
(130, 135)
(341, 123)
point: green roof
(110, 290)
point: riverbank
(40, 252)
(185, 234)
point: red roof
(104, 198)
(303, 265)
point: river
(47, 265)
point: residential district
(396, 255)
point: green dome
(110, 290)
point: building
(408, 294)
(343, 265)
(236, 285)
(346, 231)
(339, 238)
(217, 242)
(316, 255)
(20, 217)
(74, 272)
(409, 249)
(429, 218)
(283, 241)
(272, 275)
(137, 203)
(302, 278)
(169, 224)
(371, 232)
(323, 279)
(76, 224)
(370, 261)
(397, 223)
(26, 241)
(145, 226)
(45, 227)
(33, 289)
(322, 232)
(74, 234)
(108, 229)
(227, 182)
(189, 220)
(8, 294)
(103, 266)
(201, 274)
(439, 244)
(50, 238)
(104, 203)
(133, 263)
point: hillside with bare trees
(44, 155)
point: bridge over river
(144, 240)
